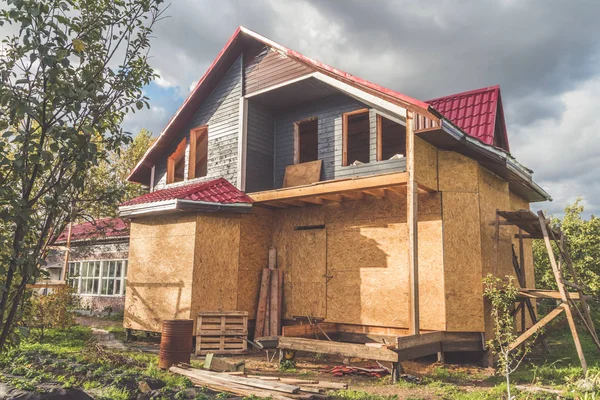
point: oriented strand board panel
(432, 299)
(216, 262)
(462, 262)
(457, 173)
(159, 276)
(426, 164)
(255, 239)
(302, 174)
(308, 270)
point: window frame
(197, 134)
(77, 282)
(297, 140)
(345, 117)
(173, 159)
(379, 136)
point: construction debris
(219, 364)
(341, 370)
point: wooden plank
(274, 304)
(405, 342)
(333, 197)
(308, 330)
(380, 193)
(379, 140)
(529, 332)
(262, 303)
(301, 174)
(337, 348)
(332, 187)
(355, 195)
(312, 200)
(412, 216)
(547, 294)
(561, 290)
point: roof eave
(179, 205)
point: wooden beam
(262, 303)
(337, 186)
(292, 202)
(547, 294)
(531, 331)
(397, 189)
(379, 140)
(312, 200)
(413, 241)
(355, 195)
(333, 197)
(296, 143)
(308, 330)
(338, 348)
(380, 193)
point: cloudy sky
(545, 55)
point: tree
(75, 69)
(502, 293)
(583, 245)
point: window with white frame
(99, 278)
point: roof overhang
(179, 205)
(449, 137)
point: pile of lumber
(262, 386)
(270, 300)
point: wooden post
(561, 290)
(412, 216)
(67, 253)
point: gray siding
(220, 111)
(259, 149)
(329, 113)
(269, 68)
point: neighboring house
(355, 186)
(97, 266)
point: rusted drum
(175, 342)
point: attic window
(176, 164)
(391, 139)
(355, 137)
(198, 152)
(306, 140)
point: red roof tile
(98, 229)
(475, 112)
(215, 191)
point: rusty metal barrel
(175, 342)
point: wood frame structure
(173, 158)
(196, 135)
(538, 227)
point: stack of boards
(268, 313)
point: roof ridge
(468, 92)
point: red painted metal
(475, 112)
(175, 342)
(215, 191)
(100, 228)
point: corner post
(412, 217)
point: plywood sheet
(462, 262)
(432, 299)
(159, 276)
(457, 173)
(426, 164)
(308, 273)
(216, 260)
(255, 239)
(302, 174)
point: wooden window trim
(194, 135)
(179, 152)
(297, 137)
(345, 133)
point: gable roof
(229, 53)
(105, 228)
(218, 191)
(477, 112)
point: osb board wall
(255, 239)
(462, 262)
(159, 276)
(216, 257)
(457, 173)
(366, 261)
(426, 164)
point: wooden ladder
(568, 305)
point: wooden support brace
(542, 322)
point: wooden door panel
(309, 267)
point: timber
(337, 348)
(541, 323)
(413, 241)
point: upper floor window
(198, 165)
(391, 139)
(306, 140)
(176, 164)
(355, 137)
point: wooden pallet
(221, 332)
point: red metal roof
(475, 112)
(99, 229)
(215, 191)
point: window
(306, 140)
(391, 139)
(176, 164)
(198, 152)
(103, 278)
(355, 137)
